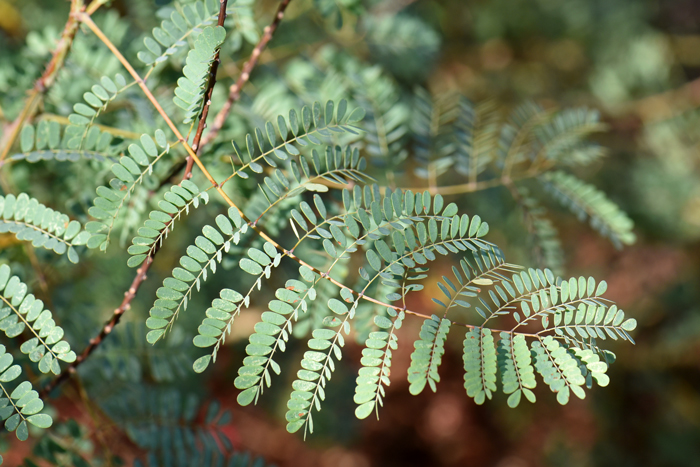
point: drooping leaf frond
(317, 366)
(189, 94)
(161, 222)
(559, 369)
(130, 172)
(204, 255)
(22, 405)
(585, 201)
(214, 328)
(272, 334)
(33, 222)
(579, 315)
(516, 370)
(376, 364)
(21, 311)
(479, 364)
(427, 356)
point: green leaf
(31, 221)
(11, 373)
(363, 411)
(22, 431)
(246, 397)
(251, 267)
(40, 420)
(27, 138)
(201, 363)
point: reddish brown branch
(198, 142)
(235, 90)
(207, 99)
(106, 329)
(63, 46)
(141, 272)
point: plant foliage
(33, 222)
(285, 221)
(189, 93)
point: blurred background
(636, 61)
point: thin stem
(470, 187)
(207, 97)
(149, 95)
(141, 272)
(234, 94)
(457, 189)
(489, 272)
(235, 90)
(106, 329)
(515, 361)
(126, 134)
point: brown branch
(46, 80)
(149, 95)
(234, 92)
(130, 294)
(106, 330)
(141, 274)
(233, 95)
(207, 98)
